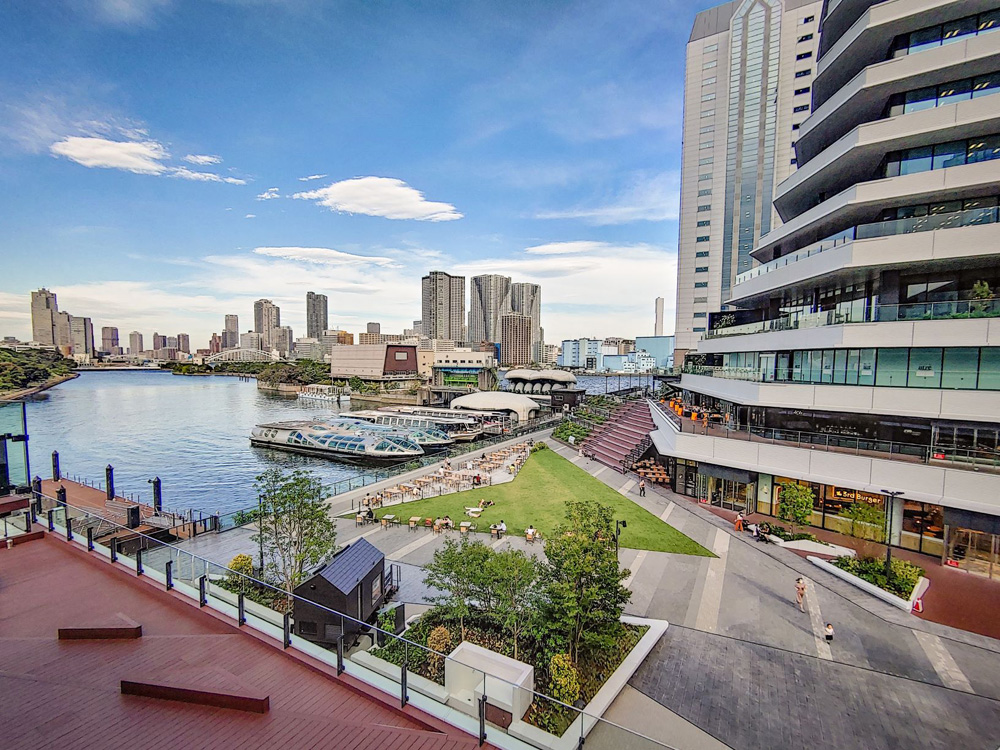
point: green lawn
(537, 496)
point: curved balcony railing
(929, 223)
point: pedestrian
(642, 487)
(800, 593)
(829, 632)
(739, 522)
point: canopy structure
(513, 403)
(539, 381)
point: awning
(969, 519)
(725, 472)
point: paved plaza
(740, 665)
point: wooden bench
(239, 701)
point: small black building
(353, 583)
(569, 397)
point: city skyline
(172, 211)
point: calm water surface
(192, 432)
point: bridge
(243, 355)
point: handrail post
(138, 562)
(69, 528)
(287, 630)
(169, 570)
(202, 600)
(241, 616)
(90, 539)
(113, 542)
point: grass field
(537, 496)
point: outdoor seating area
(694, 413)
(651, 471)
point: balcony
(929, 223)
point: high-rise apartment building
(526, 299)
(373, 328)
(184, 343)
(858, 351)
(251, 340)
(82, 335)
(266, 319)
(215, 344)
(43, 317)
(159, 342)
(316, 315)
(515, 339)
(231, 332)
(658, 317)
(109, 340)
(489, 299)
(443, 306)
(172, 342)
(283, 340)
(135, 347)
(749, 73)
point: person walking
(800, 593)
(738, 525)
(642, 487)
(829, 632)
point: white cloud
(186, 174)
(567, 248)
(380, 196)
(311, 177)
(203, 160)
(141, 157)
(269, 194)
(250, 216)
(647, 198)
(325, 256)
(128, 12)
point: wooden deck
(66, 694)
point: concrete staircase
(621, 435)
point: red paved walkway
(66, 694)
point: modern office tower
(443, 306)
(515, 339)
(231, 332)
(184, 343)
(82, 334)
(109, 339)
(527, 300)
(172, 342)
(860, 355)
(373, 328)
(135, 347)
(43, 317)
(750, 67)
(489, 298)
(215, 344)
(63, 332)
(159, 342)
(316, 315)
(658, 325)
(266, 319)
(418, 328)
(334, 338)
(283, 340)
(251, 340)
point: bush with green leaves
(564, 680)
(795, 504)
(539, 446)
(904, 573)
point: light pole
(892, 495)
(619, 525)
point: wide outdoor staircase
(621, 440)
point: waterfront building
(384, 338)
(443, 306)
(515, 339)
(659, 347)
(489, 298)
(749, 72)
(551, 356)
(618, 345)
(251, 340)
(109, 340)
(43, 317)
(266, 319)
(374, 362)
(461, 368)
(159, 342)
(658, 316)
(336, 337)
(135, 347)
(283, 339)
(860, 356)
(231, 332)
(183, 343)
(82, 335)
(172, 342)
(317, 320)
(584, 353)
(309, 348)
(214, 344)
(526, 299)
(373, 328)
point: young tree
(867, 521)
(795, 505)
(583, 597)
(511, 576)
(295, 531)
(458, 571)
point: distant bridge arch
(243, 355)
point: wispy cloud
(311, 177)
(203, 160)
(250, 216)
(269, 194)
(128, 12)
(380, 196)
(646, 198)
(325, 256)
(186, 174)
(141, 157)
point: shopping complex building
(860, 354)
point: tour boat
(429, 438)
(454, 427)
(326, 393)
(345, 440)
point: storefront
(722, 486)
(973, 542)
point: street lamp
(619, 525)
(892, 495)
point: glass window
(951, 154)
(827, 373)
(985, 85)
(955, 30)
(925, 98)
(853, 362)
(840, 366)
(983, 149)
(954, 92)
(797, 367)
(925, 368)
(989, 369)
(989, 21)
(816, 369)
(960, 366)
(924, 39)
(891, 369)
(916, 160)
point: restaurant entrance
(732, 489)
(972, 542)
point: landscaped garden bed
(905, 574)
(568, 429)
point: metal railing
(931, 222)
(235, 595)
(960, 458)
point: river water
(192, 432)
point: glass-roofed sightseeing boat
(344, 440)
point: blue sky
(154, 157)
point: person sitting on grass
(447, 522)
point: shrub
(439, 640)
(241, 571)
(904, 574)
(564, 680)
(539, 446)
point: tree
(795, 505)
(510, 578)
(867, 521)
(293, 527)
(458, 571)
(583, 597)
